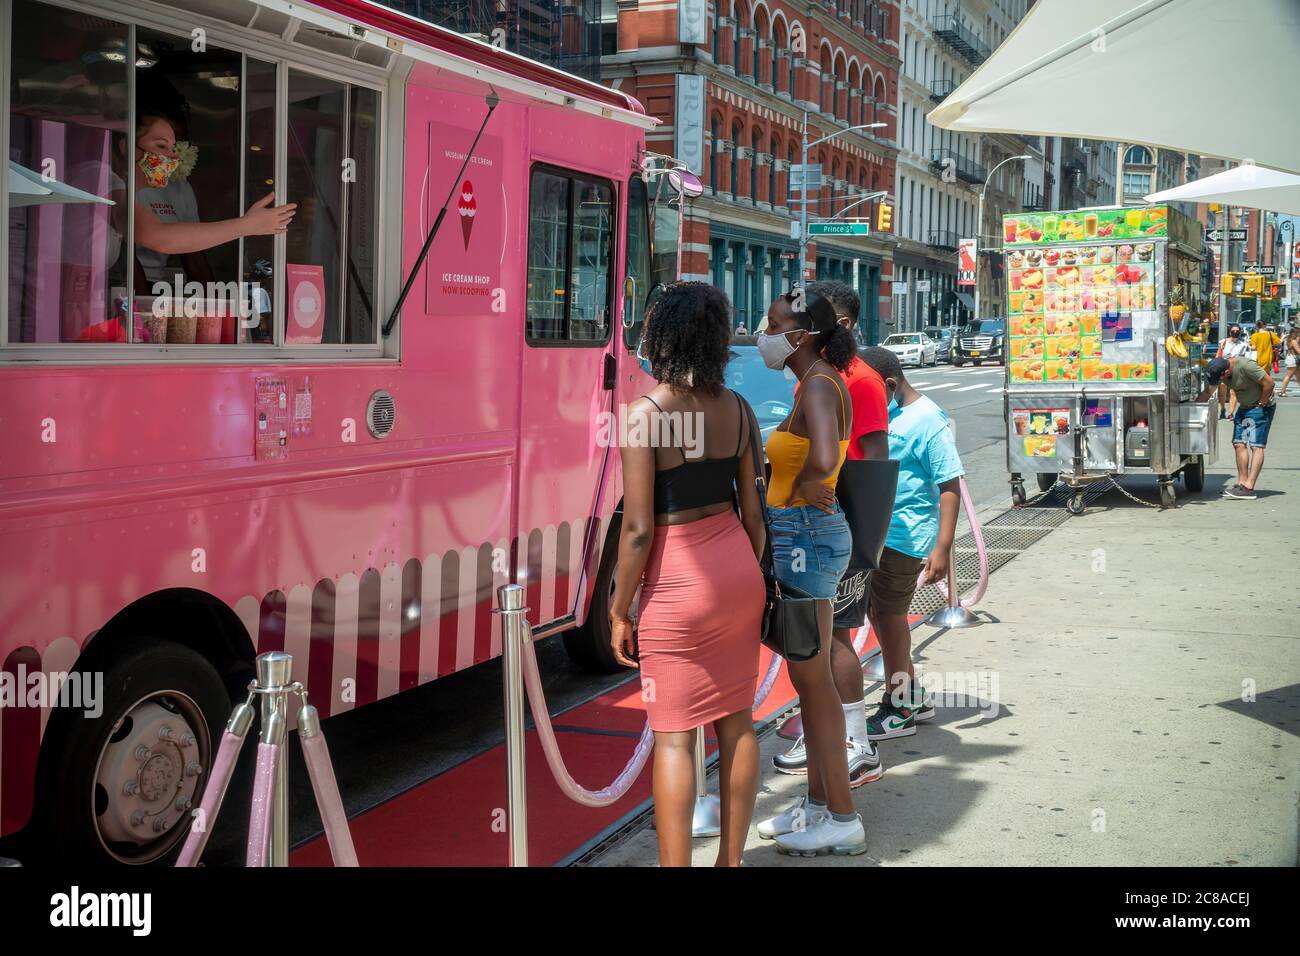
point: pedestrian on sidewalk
(1252, 387)
(810, 552)
(919, 543)
(696, 562)
(1291, 358)
(867, 440)
(1265, 342)
(1233, 346)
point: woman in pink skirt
(686, 457)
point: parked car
(912, 348)
(942, 336)
(984, 340)
(769, 393)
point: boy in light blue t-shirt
(920, 538)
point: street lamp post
(879, 194)
(803, 206)
(979, 226)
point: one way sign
(1234, 235)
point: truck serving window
(132, 178)
(570, 256)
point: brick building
(731, 83)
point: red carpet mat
(458, 817)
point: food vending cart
(1102, 376)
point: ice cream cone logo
(467, 207)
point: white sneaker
(798, 817)
(864, 762)
(827, 835)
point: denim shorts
(810, 548)
(1250, 425)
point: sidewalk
(1114, 731)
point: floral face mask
(157, 169)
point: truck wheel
(1076, 505)
(1194, 475)
(978, 363)
(1017, 494)
(1045, 480)
(588, 645)
(117, 787)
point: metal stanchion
(707, 819)
(874, 670)
(274, 672)
(514, 632)
(954, 615)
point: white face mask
(776, 348)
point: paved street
(972, 396)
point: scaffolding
(564, 34)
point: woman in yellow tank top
(810, 551)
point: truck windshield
(986, 327)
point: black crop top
(697, 484)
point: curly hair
(842, 296)
(832, 340)
(687, 337)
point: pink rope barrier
(223, 767)
(551, 748)
(259, 821)
(981, 550)
(325, 785)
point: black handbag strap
(760, 482)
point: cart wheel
(1194, 475)
(1076, 505)
(1045, 479)
(1018, 494)
(1167, 495)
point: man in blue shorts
(1253, 387)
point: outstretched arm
(262, 219)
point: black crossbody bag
(789, 614)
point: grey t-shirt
(1245, 378)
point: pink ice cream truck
(335, 439)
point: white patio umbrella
(29, 188)
(1200, 76)
(1246, 185)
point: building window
(771, 175)
(1137, 184)
(713, 155)
(1137, 156)
(736, 141)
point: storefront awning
(1223, 72)
(966, 300)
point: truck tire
(100, 798)
(1194, 475)
(588, 646)
(1045, 479)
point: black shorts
(850, 605)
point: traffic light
(1277, 290)
(884, 217)
(1242, 284)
